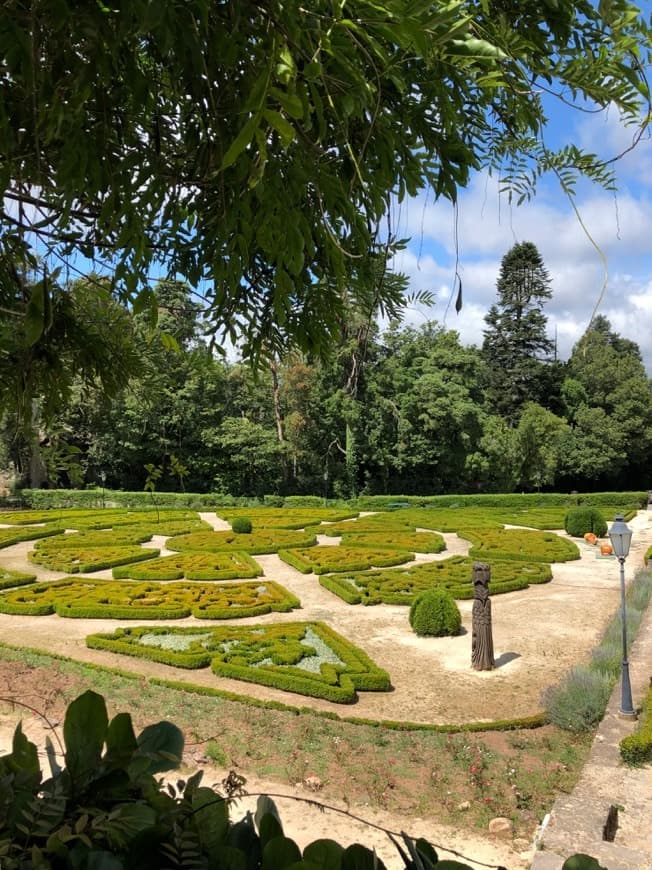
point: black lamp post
(621, 537)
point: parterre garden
(213, 575)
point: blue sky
(488, 226)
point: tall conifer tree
(516, 348)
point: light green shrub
(434, 613)
(579, 521)
(241, 525)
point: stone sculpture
(482, 644)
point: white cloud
(488, 226)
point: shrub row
(79, 560)
(268, 655)
(9, 537)
(511, 500)
(578, 702)
(123, 536)
(524, 545)
(419, 542)
(636, 748)
(106, 518)
(106, 599)
(287, 518)
(256, 543)
(326, 559)
(373, 523)
(400, 585)
(234, 565)
(9, 579)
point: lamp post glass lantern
(621, 537)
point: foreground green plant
(107, 808)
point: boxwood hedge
(400, 585)
(257, 543)
(325, 559)
(193, 566)
(107, 599)
(308, 658)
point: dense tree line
(409, 411)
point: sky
(488, 226)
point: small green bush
(636, 748)
(581, 520)
(241, 525)
(578, 703)
(435, 614)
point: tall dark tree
(516, 349)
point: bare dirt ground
(538, 634)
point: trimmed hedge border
(333, 682)
(107, 599)
(81, 561)
(538, 720)
(523, 545)
(400, 585)
(328, 559)
(256, 543)
(225, 565)
(636, 748)
(9, 537)
(10, 579)
(419, 542)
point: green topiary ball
(434, 613)
(241, 525)
(580, 520)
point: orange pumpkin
(590, 538)
(606, 549)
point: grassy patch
(412, 771)
(106, 599)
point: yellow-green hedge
(306, 658)
(193, 566)
(637, 747)
(256, 543)
(323, 560)
(108, 599)
(401, 585)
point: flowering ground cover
(95, 599)
(304, 657)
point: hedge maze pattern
(309, 657)
(401, 585)
(98, 599)
(304, 657)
